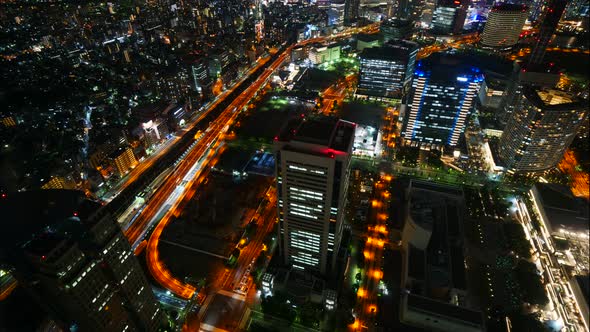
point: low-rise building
(59, 182)
(435, 295)
(122, 160)
(321, 54)
(367, 41)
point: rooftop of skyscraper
(562, 207)
(39, 220)
(504, 6)
(449, 67)
(398, 50)
(330, 132)
(552, 99)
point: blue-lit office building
(443, 93)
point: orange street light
(361, 293)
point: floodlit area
(575, 251)
(367, 142)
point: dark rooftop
(510, 7)
(149, 112)
(584, 283)
(458, 267)
(367, 37)
(316, 132)
(393, 50)
(562, 207)
(326, 131)
(42, 218)
(433, 307)
(444, 189)
(417, 264)
(363, 114)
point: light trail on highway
(140, 225)
(157, 210)
(164, 203)
(367, 294)
(144, 165)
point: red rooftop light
(75, 214)
(43, 257)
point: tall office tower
(351, 11)
(387, 71)
(396, 28)
(551, 18)
(70, 255)
(313, 167)
(336, 13)
(444, 89)
(504, 25)
(449, 16)
(410, 10)
(540, 129)
(522, 75)
(258, 20)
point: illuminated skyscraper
(313, 167)
(351, 11)
(540, 129)
(387, 71)
(70, 255)
(504, 25)
(449, 16)
(396, 28)
(443, 92)
(336, 12)
(409, 9)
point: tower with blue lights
(443, 93)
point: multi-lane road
(336, 93)
(235, 288)
(165, 201)
(367, 294)
(158, 209)
(186, 174)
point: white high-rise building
(313, 167)
(504, 25)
